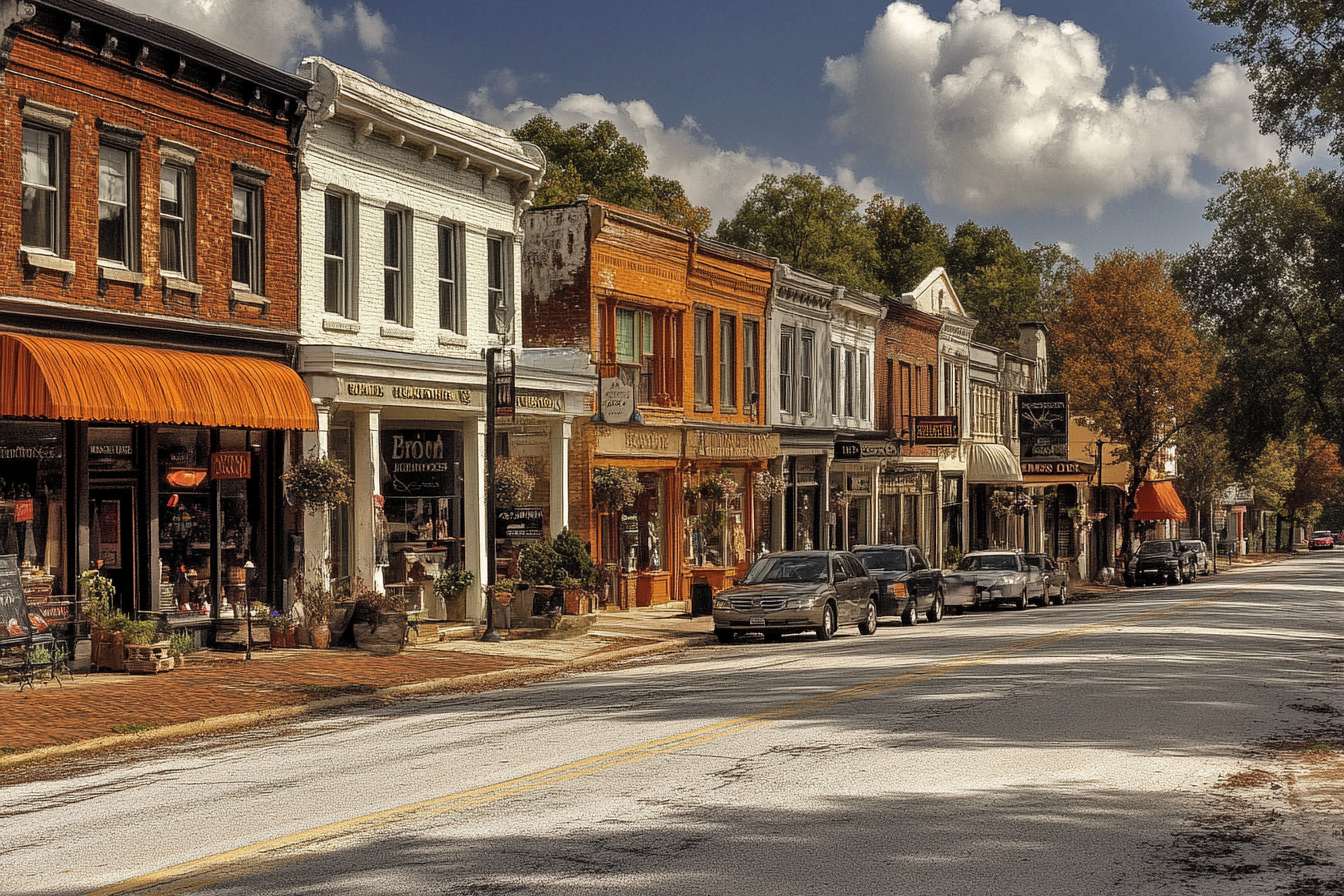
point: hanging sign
(618, 401)
(945, 430)
(518, 522)
(505, 372)
(419, 462)
(1043, 426)
(231, 465)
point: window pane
(448, 292)
(242, 212)
(242, 260)
(112, 232)
(170, 245)
(170, 192)
(625, 335)
(496, 259)
(334, 243)
(392, 295)
(646, 332)
(39, 218)
(333, 279)
(392, 240)
(39, 157)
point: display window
(715, 517)
(642, 529)
(33, 505)
(419, 528)
(186, 555)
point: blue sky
(1067, 157)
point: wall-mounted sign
(618, 401)
(714, 443)
(1055, 469)
(419, 463)
(397, 393)
(847, 449)
(638, 441)
(539, 401)
(1043, 426)
(867, 449)
(1237, 494)
(944, 430)
(518, 522)
(231, 465)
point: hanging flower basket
(768, 486)
(317, 483)
(615, 488)
(1022, 504)
(840, 499)
(513, 481)
(1001, 503)
(718, 487)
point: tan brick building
(148, 309)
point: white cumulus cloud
(713, 175)
(374, 34)
(1007, 112)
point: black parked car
(1161, 560)
(907, 586)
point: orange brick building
(676, 326)
(148, 309)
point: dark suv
(907, 586)
(1161, 560)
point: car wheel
(774, 636)
(725, 635)
(1174, 580)
(936, 611)
(1045, 596)
(826, 630)
(868, 625)
(911, 614)
(1021, 603)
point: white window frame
(863, 386)
(499, 296)
(849, 383)
(185, 221)
(788, 341)
(450, 233)
(57, 187)
(129, 207)
(345, 281)
(807, 358)
(256, 240)
(397, 269)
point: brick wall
(557, 305)
(910, 336)
(73, 77)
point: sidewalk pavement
(219, 691)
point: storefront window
(33, 505)
(642, 528)
(340, 448)
(715, 518)
(185, 555)
(242, 524)
(952, 495)
(420, 532)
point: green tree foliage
(1268, 285)
(594, 159)
(809, 225)
(1293, 51)
(999, 282)
(1205, 465)
(909, 244)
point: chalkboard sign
(13, 610)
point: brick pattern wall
(557, 304)
(910, 336)
(74, 78)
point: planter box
(233, 633)
(384, 636)
(148, 659)
(107, 652)
(578, 603)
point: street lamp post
(491, 359)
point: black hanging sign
(419, 462)
(505, 384)
(13, 610)
(518, 522)
(1043, 426)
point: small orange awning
(74, 379)
(1159, 501)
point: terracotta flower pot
(321, 637)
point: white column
(375, 484)
(474, 522)
(559, 475)
(365, 450)
(317, 523)
(875, 503)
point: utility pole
(491, 360)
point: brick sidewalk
(217, 684)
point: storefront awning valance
(74, 379)
(1159, 501)
(992, 462)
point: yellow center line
(197, 874)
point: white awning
(992, 462)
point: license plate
(757, 620)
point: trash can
(702, 599)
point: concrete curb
(219, 724)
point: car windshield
(1155, 549)
(885, 560)
(787, 569)
(984, 562)
(1322, 534)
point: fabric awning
(992, 462)
(74, 379)
(1159, 501)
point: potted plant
(318, 603)
(451, 588)
(98, 593)
(503, 590)
(146, 652)
(581, 574)
(179, 646)
(317, 483)
(513, 481)
(380, 622)
(540, 567)
(718, 487)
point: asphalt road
(1049, 751)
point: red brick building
(148, 309)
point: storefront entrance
(112, 548)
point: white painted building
(854, 482)
(410, 260)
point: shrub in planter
(380, 621)
(318, 603)
(540, 564)
(575, 559)
(141, 632)
(317, 483)
(98, 592)
(513, 481)
(179, 646)
(450, 587)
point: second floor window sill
(114, 273)
(249, 299)
(35, 260)
(452, 340)
(335, 323)
(392, 330)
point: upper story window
(248, 237)
(787, 336)
(849, 382)
(177, 212)
(336, 254)
(806, 352)
(750, 362)
(835, 380)
(116, 205)
(863, 386)
(704, 357)
(727, 362)
(396, 289)
(634, 349)
(452, 315)
(499, 265)
(43, 181)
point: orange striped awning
(73, 379)
(1159, 501)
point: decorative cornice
(13, 13)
